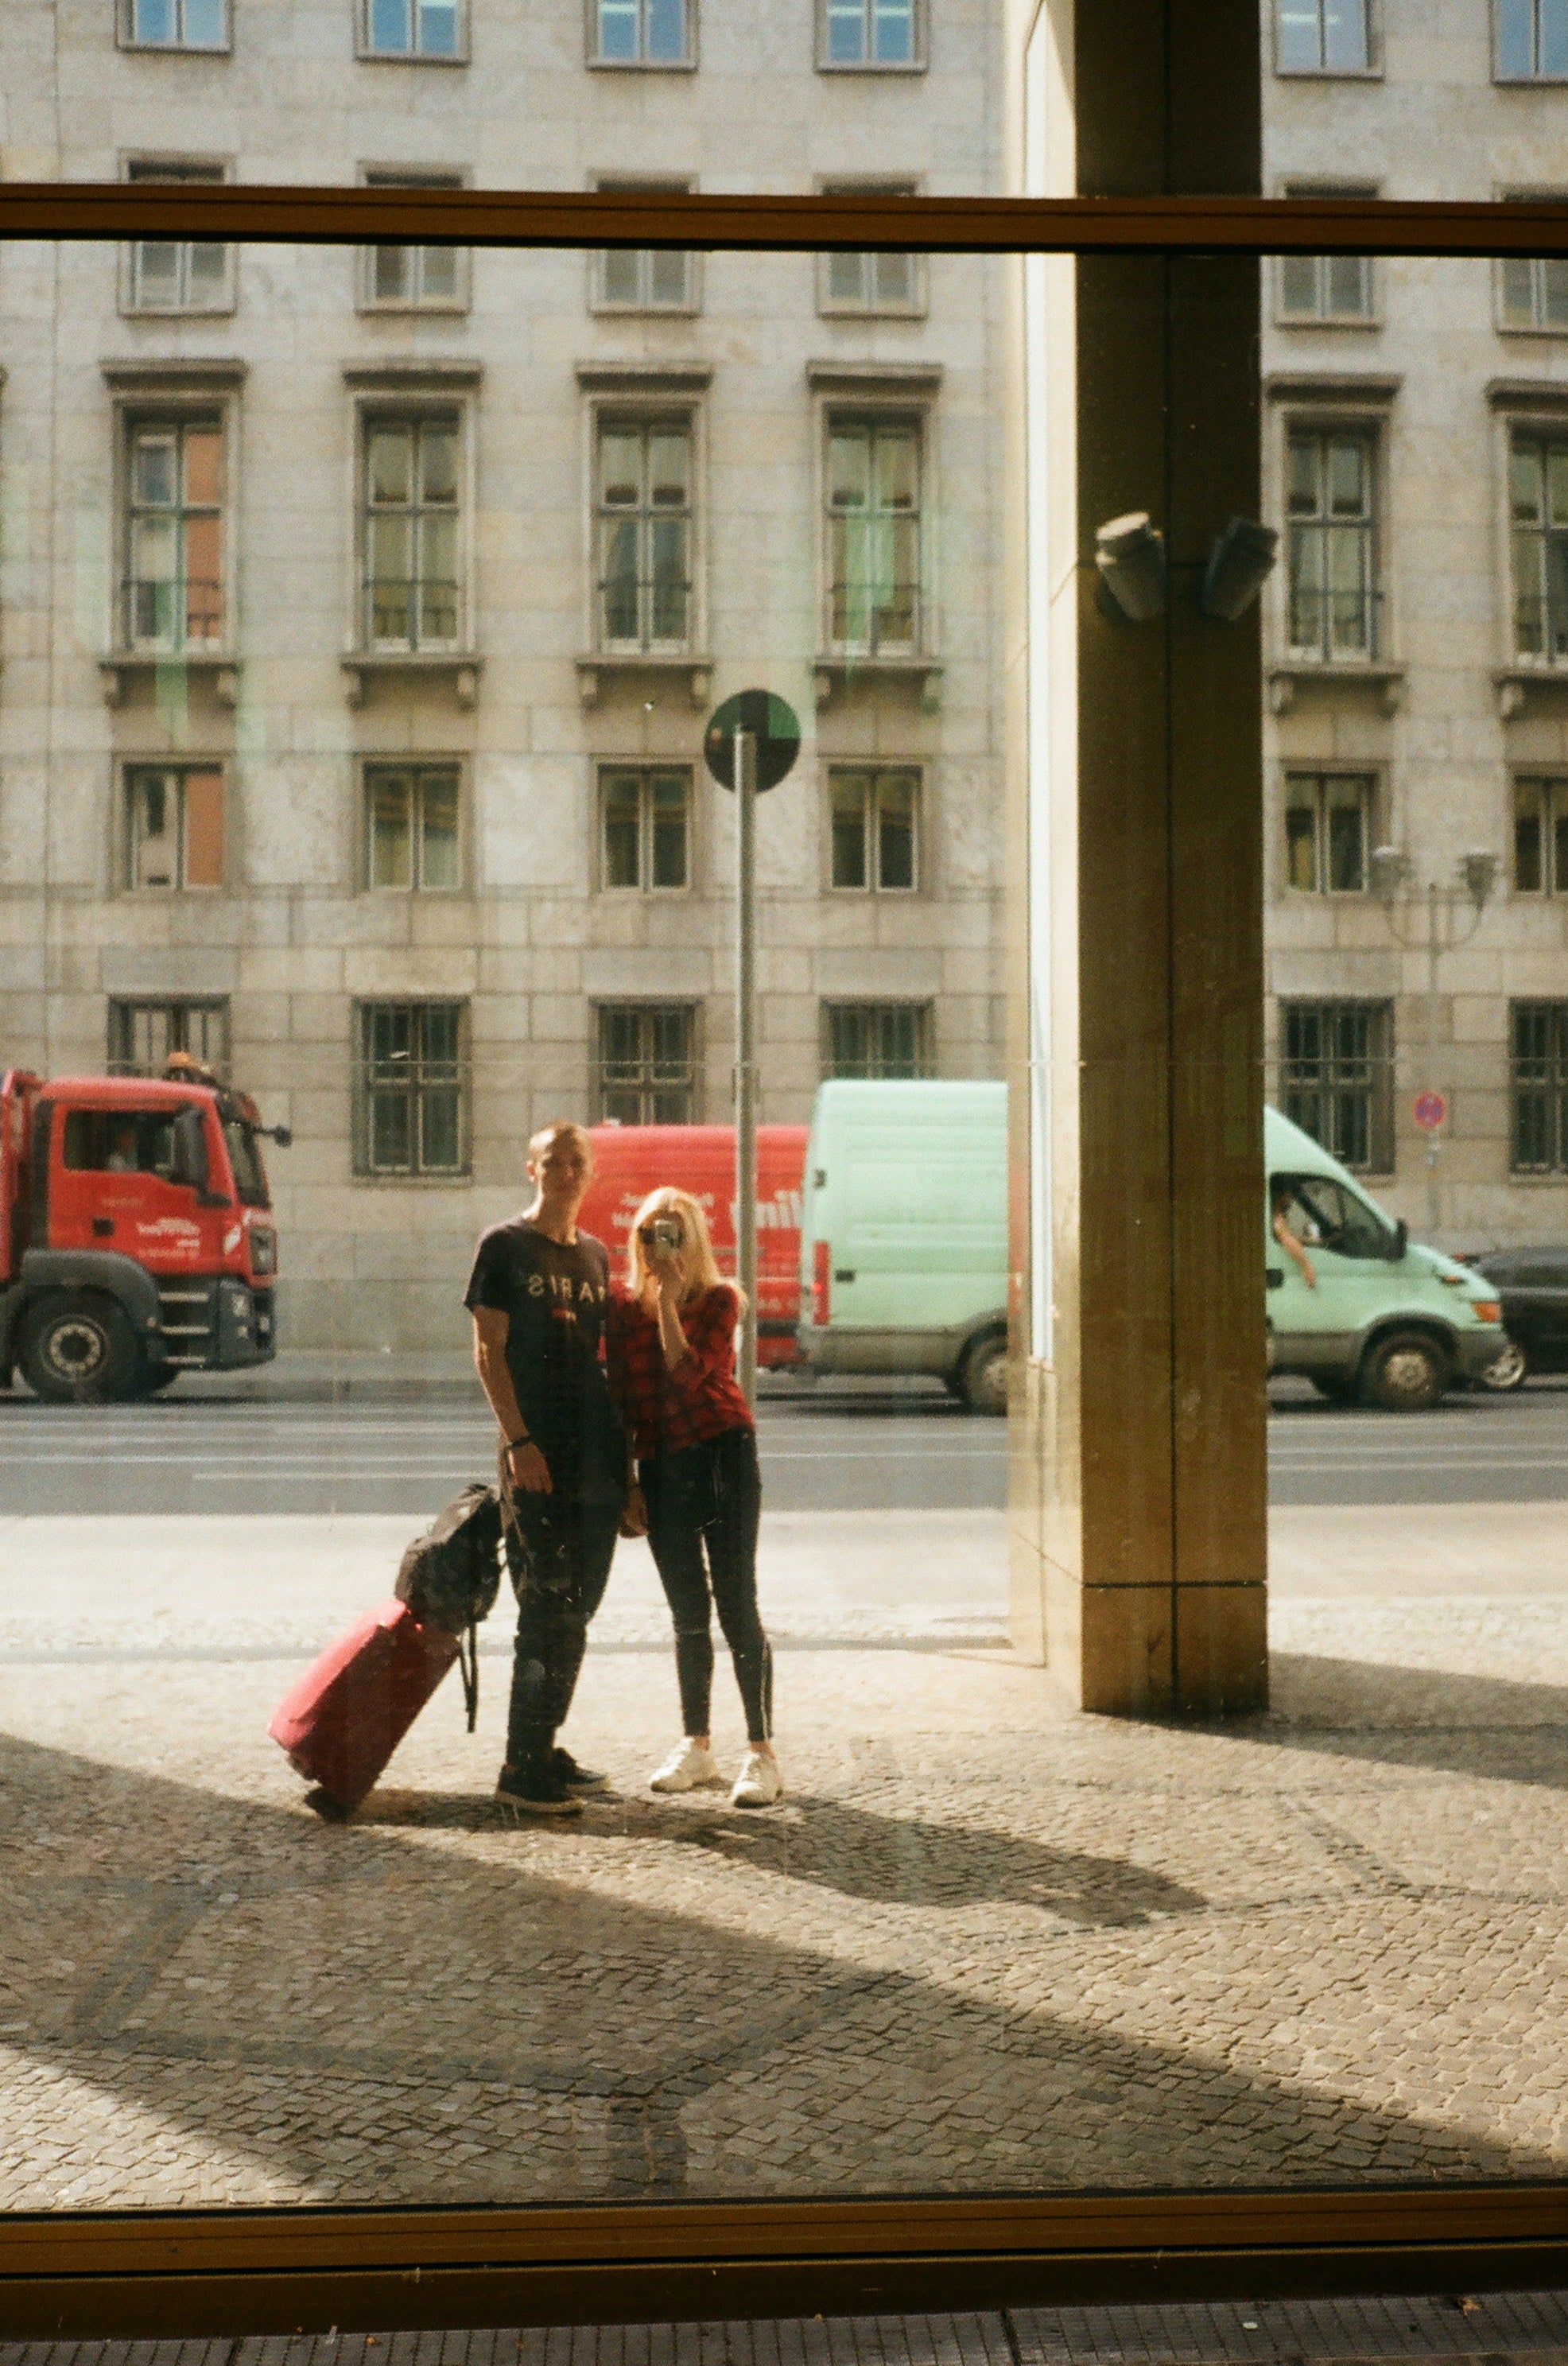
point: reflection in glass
(1323, 37)
(1331, 550)
(646, 1067)
(1336, 1078)
(1532, 40)
(874, 535)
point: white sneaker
(688, 1768)
(759, 1784)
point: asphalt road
(867, 1452)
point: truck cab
(136, 1234)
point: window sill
(1516, 683)
(418, 1182)
(641, 65)
(1286, 679)
(365, 667)
(834, 672)
(871, 311)
(1328, 74)
(871, 66)
(123, 669)
(596, 673)
(445, 308)
(176, 49)
(407, 57)
(603, 312)
(178, 311)
(1292, 323)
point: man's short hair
(538, 1143)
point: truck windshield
(250, 1175)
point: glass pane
(390, 835)
(157, 270)
(207, 265)
(618, 21)
(621, 466)
(438, 579)
(154, 20)
(669, 269)
(894, 31)
(619, 275)
(668, 832)
(623, 830)
(849, 815)
(1516, 37)
(668, 606)
(438, 464)
(1348, 278)
(1553, 280)
(847, 278)
(1301, 840)
(439, 274)
(155, 465)
(203, 448)
(391, 273)
(667, 30)
(847, 32)
(618, 576)
(438, 861)
(1300, 36)
(849, 469)
(388, 24)
(203, 23)
(1553, 37)
(391, 579)
(1299, 285)
(1345, 35)
(895, 485)
(204, 829)
(1347, 836)
(1517, 285)
(895, 834)
(438, 28)
(389, 464)
(669, 461)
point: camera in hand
(668, 1234)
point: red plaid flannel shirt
(700, 1398)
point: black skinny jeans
(708, 1498)
(559, 1548)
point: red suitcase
(346, 1715)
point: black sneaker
(537, 1791)
(575, 1778)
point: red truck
(136, 1237)
(630, 1161)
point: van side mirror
(1401, 1242)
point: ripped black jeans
(704, 1504)
(558, 1548)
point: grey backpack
(450, 1576)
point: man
(538, 1295)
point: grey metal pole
(745, 1051)
(1432, 1086)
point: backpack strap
(468, 1665)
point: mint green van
(903, 1257)
(1383, 1320)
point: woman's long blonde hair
(701, 1267)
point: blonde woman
(671, 1348)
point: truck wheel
(982, 1376)
(1511, 1369)
(78, 1348)
(154, 1378)
(1406, 1372)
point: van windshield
(1323, 1214)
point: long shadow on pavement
(1415, 1716)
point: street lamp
(1476, 875)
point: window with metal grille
(414, 278)
(1323, 37)
(1539, 1082)
(647, 1063)
(1538, 500)
(1333, 554)
(645, 823)
(1328, 830)
(411, 519)
(413, 1088)
(641, 32)
(411, 827)
(173, 591)
(173, 835)
(644, 533)
(873, 534)
(874, 820)
(174, 24)
(1532, 41)
(869, 34)
(1336, 1078)
(877, 1038)
(143, 1033)
(177, 274)
(413, 28)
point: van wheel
(1406, 1372)
(982, 1376)
(1510, 1370)
(79, 1349)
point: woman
(671, 1347)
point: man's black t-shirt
(554, 1295)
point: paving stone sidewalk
(983, 1945)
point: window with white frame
(414, 278)
(875, 828)
(644, 278)
(1532, 294)
(1537, 502)
(173, 825)
(644, 532)
(143, 1033)
(646, 1073)
(170, 274)
(641, 32)
(877, 1040)
(870, 35)
(1532, 41)
(873, 527)
(1332, 548)
(411, 537)
(431, 29)
(174, 24)
(645, 826)
(1323, 37)
(1327, 832)
(412, 1075)
(171, 590)
(1334, 290)
(873, 281)
(1540, 836)
(412, 837)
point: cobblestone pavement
(982, 1945)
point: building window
(876, 829)
(168, 274)
(413, 28)
(1323, 37)
(1532, 41)
(1538, 489)
(1328, 830)
(172, 593)
(645, 532)
(1336, 1078)
(1330, 290)
(142, 1035)
(413, 1096)
(879, 282)
(414, 278)
(411, 511)
(1333, 557)
(647, 1063)
(174, 835)
(873, 534)
(411, 827)
(1541, 837)
(646, 827)
(641, 32)
(644, 279)
(1540, 1033)
(877, 1038)
(174, 24)
(869, 34)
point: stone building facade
(361, 610)
(1416, 629)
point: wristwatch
(513, 1443)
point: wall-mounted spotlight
(1130, 555)
(1238, 568)
(1478, 869)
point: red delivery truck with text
(630, 1161)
